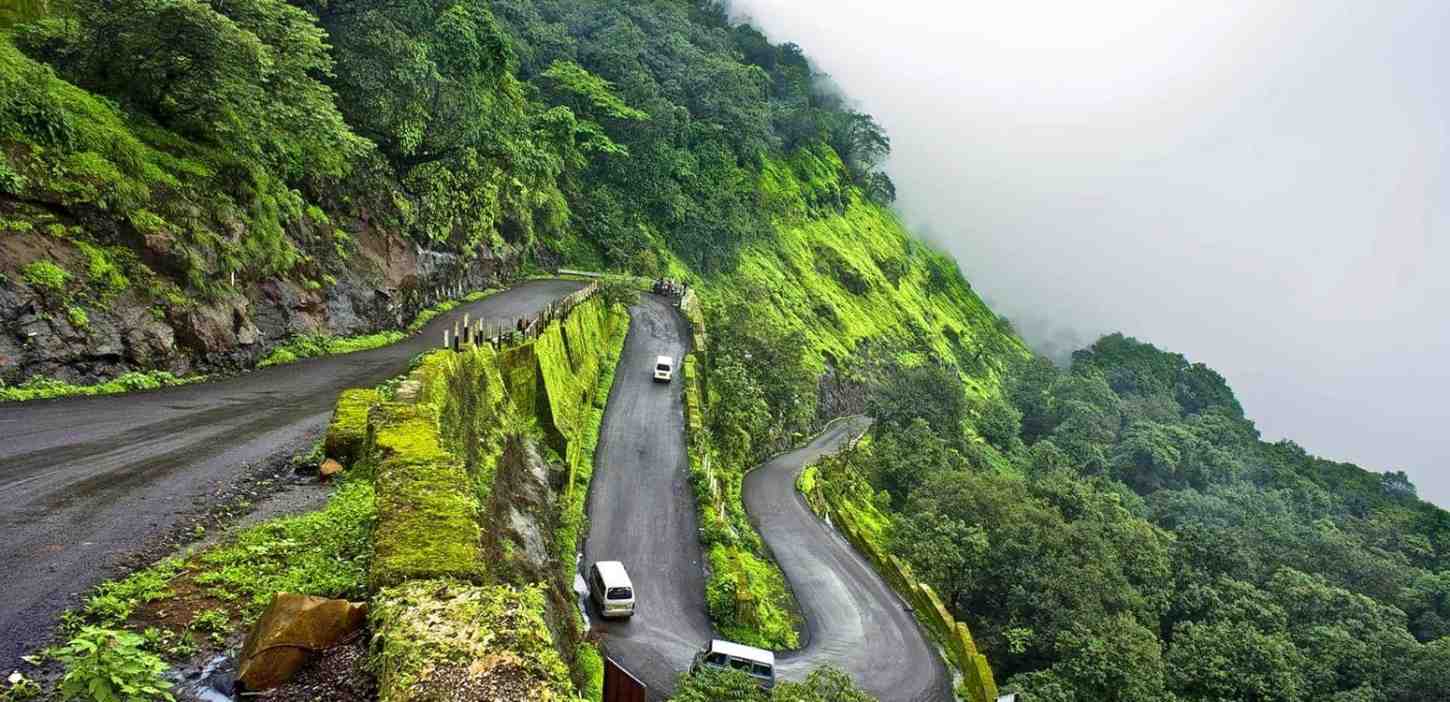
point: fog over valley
(1260, 186)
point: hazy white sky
(1261, 186)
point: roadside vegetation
(42, 388)
(822, 685)
(314, 345)
(197, 601)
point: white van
(758, 663)
(664, 369)
(611, 590)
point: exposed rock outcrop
(84, 332)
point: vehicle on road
(611, 590)
(758, 663)
(664, 369)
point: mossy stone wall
(440, 640)
(429, 569)
(427, 523)
(348, 432)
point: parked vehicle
(758, 663)
(664, 369)
(611, 590)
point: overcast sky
(1259, 185)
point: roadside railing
(466, 332)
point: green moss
(563, 391)
(557, 386)
(519, 368)
(77, 317)
(46, 276)
(347, 433)
(435, 638)
(102, 269)
(573, 521)
(428, 519)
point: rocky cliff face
(85, 299)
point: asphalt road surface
(642, 508)
(86, 481)
(642, 512)
(854, 620)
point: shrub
(710, 685)
(10, 181)
(618, 291)
(45, 275)
(133, 381)
(102, 269)
(23, 688)
(105, 665)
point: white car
(664, 369)
(758, 663)
(611, 590)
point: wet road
(641, 512)
(86, 481)
(854, 620)
(642, 508)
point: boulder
(329, 468)
(292, 630)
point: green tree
(739, 414)
(946, 552)
(1234, 662)
(240, 74)
(825, 684)
(714, 685)
(1117, 660)
(931, 392)
(424, 79)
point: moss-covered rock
(348, 432)
(519, 368)
(427, 514)
(447, 641)
(399, 429)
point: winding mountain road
(641, 512)
(84, 482)
(854, 620)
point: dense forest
(1126, 535)
(1114, 530)
(588, 131)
